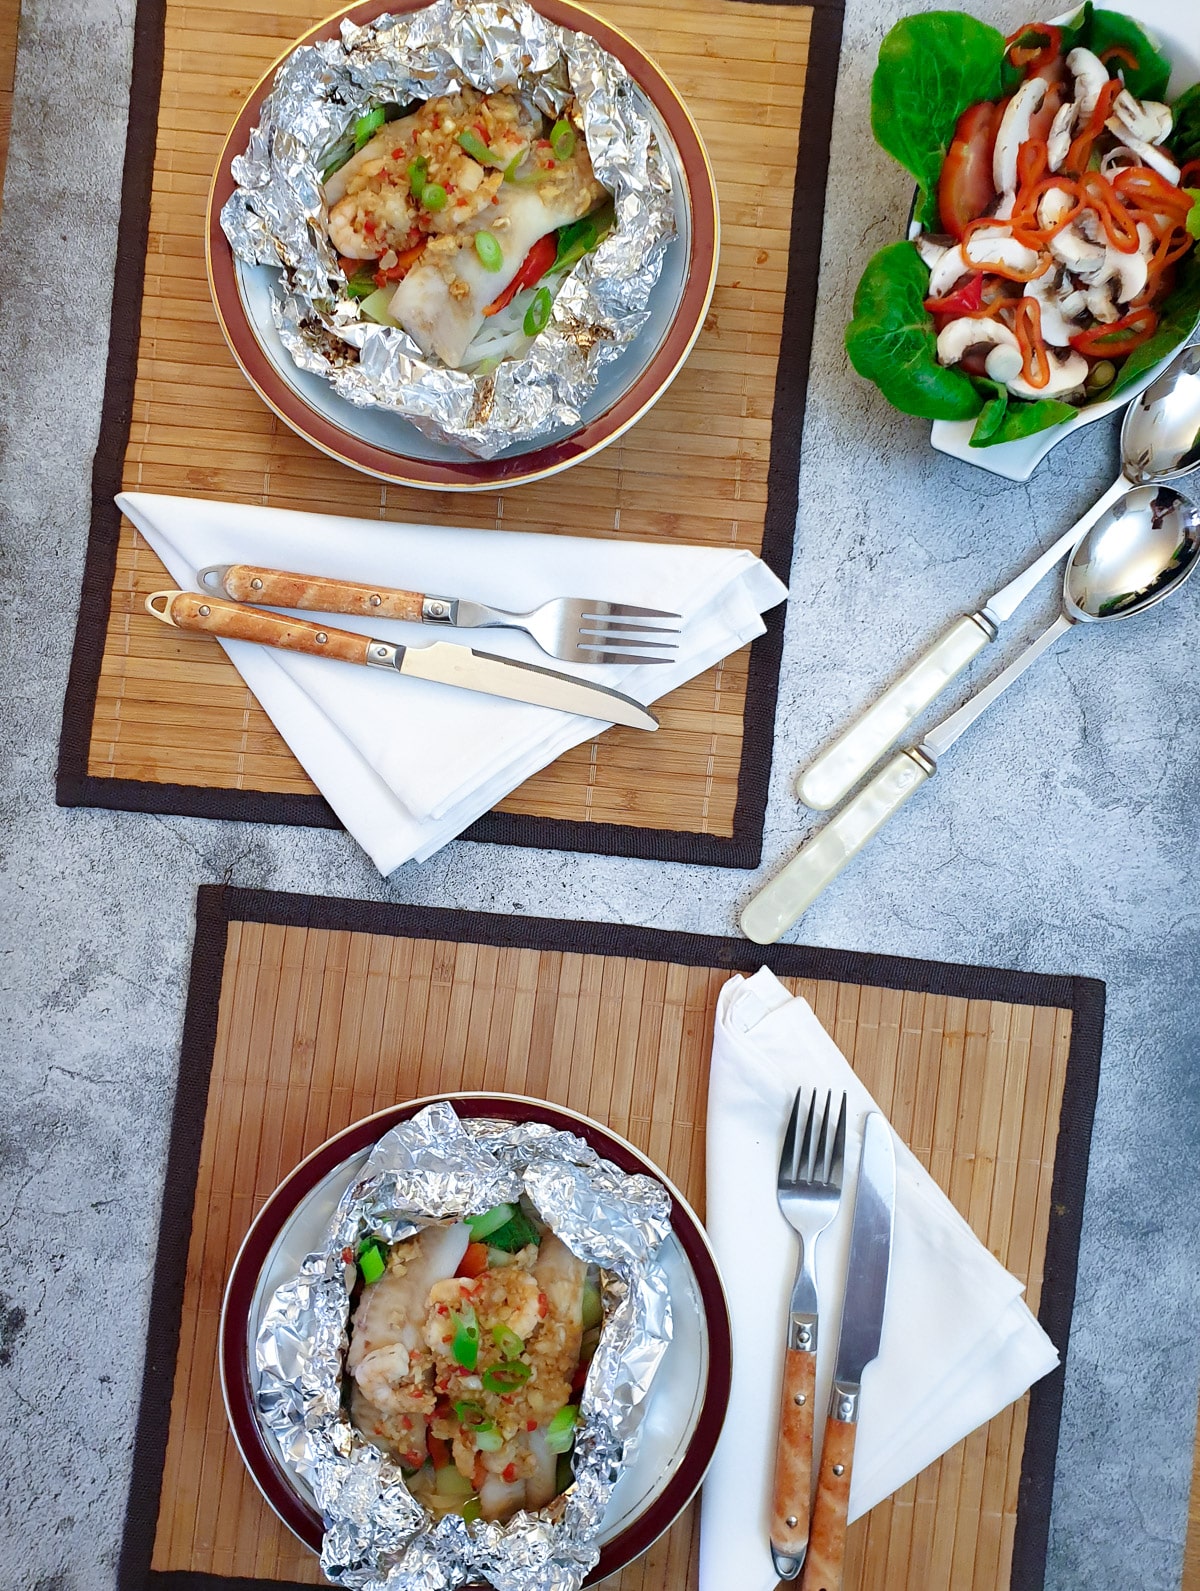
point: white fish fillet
(443, 322)
(389, 137)
(392, 1310)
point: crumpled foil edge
(275, 216)
(437, 1166)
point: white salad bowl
(1175, 25)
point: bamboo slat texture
(319, 1028)
(171, 709)
(1191, 1551)
(10, 17)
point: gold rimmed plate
(686, 1406)
(384, 444)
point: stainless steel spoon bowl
(1160, 434)
(1139, 551)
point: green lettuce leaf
(891, 340)
(1004, 420)
(931, 68)
(1184, 142)
(1106, 29)
(1178, 319)
(1193, 216)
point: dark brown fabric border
(219, 905)
(743, 849)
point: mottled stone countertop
(1061, 838)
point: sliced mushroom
(1101, 303)
(947, 271)
(1055, 328)
(1118, 159)
(956, 336)
(1090, 74)
(1067, 374)
(1124, 274)
(1013, 131)
(1053, 205)
(1077, 253)
(985, 249)
(1058, 140)
(930, 251)
(1145, 118)
(1145, 152)
(1089, 224)
(1073, 303)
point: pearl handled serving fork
(809, 1190)
(575, 629)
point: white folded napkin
(958, 1344)
(407, 764)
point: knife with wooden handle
(442, 662)
(858, 1345)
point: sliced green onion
(498, 1258)
(475, 147)
(372, 1261)
(361, 284)
(506, 1378)
(465, 1346)
(516, 1234)
(538, 312)
(489, 1441)
(418, 171)
(560, 1433)
(509, 1344)
(367, 126)
(514, 165)
(582, 237)
(471, 1511)
(593, 1307)
(433, 196)
(482, 1226)
(491, 255)
(473, 1416)
(562, 139)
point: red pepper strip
(1118, 52)
(1144, 188)
(1190, 175)
(1024, 221)
(439, 1451)
(404, 263)
(1033, 160)
(534, 266)
(1035, 360)
(1010, 273)
(1119, 226)
(1081, 149)
(1027, 54)
(961, 301)
(1119, 338)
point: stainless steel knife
(858, 1344)
(447, 664)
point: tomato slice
(961, 301)
(965, 187)
(534, 266)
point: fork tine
(622, 610)
(615, 627)
(837, 1161)
(588, 656)
(818, 1174)
(787, 1158)
(804, 1163)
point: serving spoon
(1138, 552)
(1160, 441)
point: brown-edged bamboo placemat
(159, 721)
(1191, 1550)
(306, 1014)
(10, 18)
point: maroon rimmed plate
(686, 1407)
(386, 445)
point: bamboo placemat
(1191, 1551)
(161, 721)
(10, 18)
(305, 1014)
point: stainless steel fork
(810, 1189)
(574, 628)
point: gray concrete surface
(1061, 837)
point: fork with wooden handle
(809, 1190)
(576, 629)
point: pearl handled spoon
(1160, 441)
(1138, 552)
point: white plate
(1176, 27)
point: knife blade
(858, 1344)
(442, 662)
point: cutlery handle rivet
(321, 638)
(256, 585)
(374, 599)
(204, 610)
(839, 1469)
(792, 1521)
(800, 1400)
